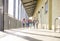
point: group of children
(29, 23)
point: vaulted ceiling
(29, 6)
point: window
(46, 7)
(16, 12)
(19, 9)
(14, 7)
(10, 8)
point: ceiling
(29, 6)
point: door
(1, 15)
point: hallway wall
(14, 12)
(41, 8)
(1, 15)
(49, 17)
(55, 11)
(9, 21)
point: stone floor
(29, 35)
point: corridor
(29, 20)
(22, 34)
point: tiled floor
(28, 35)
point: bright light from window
(30, 18)
(58, 17)
(10, 8)
(16, 13)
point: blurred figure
(34, 23)
(37, 21)
(27, 23)
(30, 23)
(24, 22)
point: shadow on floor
(24, 37)
(37, 34)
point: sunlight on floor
(26, 35)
